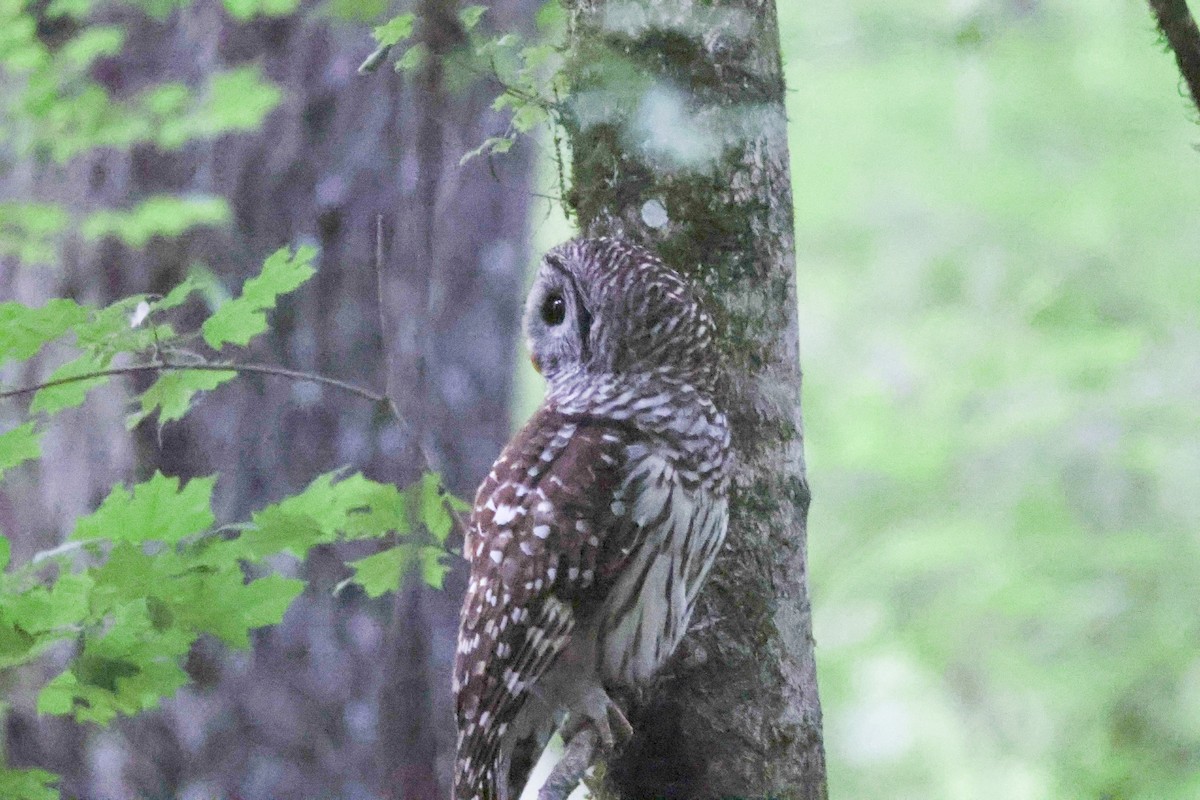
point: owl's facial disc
(557, 321)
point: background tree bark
(299, 717)
(678, 131)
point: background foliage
(1000, 330)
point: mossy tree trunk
(679, 141)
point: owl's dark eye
(554, 309)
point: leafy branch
(147, 573)
(529, 72)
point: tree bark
(679, 141)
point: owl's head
(607, 306)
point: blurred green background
(998, 235)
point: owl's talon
(598, 711)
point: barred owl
(591, 536)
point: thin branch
(1177, 25)
(383, 327)
(569, 771)
(163, 366)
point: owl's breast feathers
(558, 528)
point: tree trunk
(679, 138)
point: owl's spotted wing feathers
(549, 527)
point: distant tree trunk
(679, 138)
(300, 717)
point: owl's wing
(549, 534)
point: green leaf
(18, 446)
(28, 784)
(15, 642)
(165, 216)
(395, 30)
(235, 101)
(58, 696)
(434, 512)
(264, 601)
(5, 552)
(470, 16)
(90, 44)
(156, 510)
(433, 569)
(29, 231)
(198, 279)
(355, 506)
(243, 10)
(223, 604)
(413, 58)
(551, 16)
(385, 571)
(64, 605)
(53, 399)
(24, 330)
(240, 320)
(96, 670)
(172, 394)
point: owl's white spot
(617, 507)
(541, 531)
(480, 667)
(581, 525)
(497, 556)
(611, 437)
(550, 573)
(572, 573)
(537, 585)
(594, 541)
(528, 549)
(533, 471)
(505, 514)
(654, 214)
(502, 650)
(484, 717)
(588, 575)
(545, 507)
(547, 455)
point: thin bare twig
(164, 366)
(1177, 25)
(383, 327)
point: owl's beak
(536, 366)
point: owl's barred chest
(647, 611)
